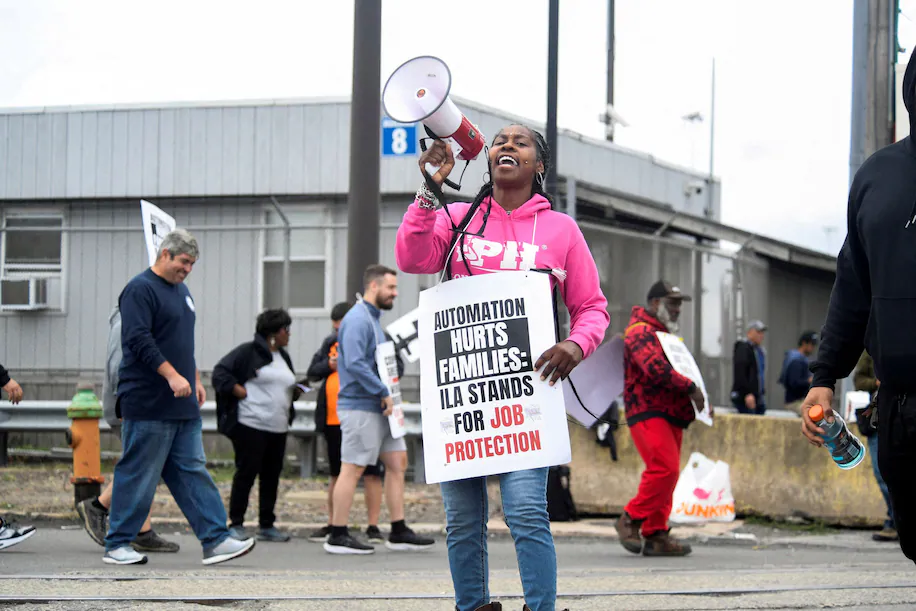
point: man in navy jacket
(795, 376)
(159, 399)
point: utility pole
(874, 50)
(365, 125)
(553, 44)
(609, 132)
(712, 143)
(874, 59)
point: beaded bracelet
(426, 198)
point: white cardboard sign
(156, 225)
(388, 370)
(683, 363)
(406, 336)
(485, 410)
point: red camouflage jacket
(652, 388)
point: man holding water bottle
(872, 304)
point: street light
(697, 117)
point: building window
(32, 261)
(308, 259)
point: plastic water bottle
(845, 448)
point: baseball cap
(757, 325)
(808, 337)
(662, 289)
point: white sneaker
(124, 555)
(227, 550)
(11, 534)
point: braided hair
(542, 152)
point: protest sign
(485, 410)
(598, 381)
(156, 225)
(388, 370)
(405, 335)
(683, 363)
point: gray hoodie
(112, 363)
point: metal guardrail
(51, 416)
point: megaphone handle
(423, 147)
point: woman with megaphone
(509, 225)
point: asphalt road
(63, 569)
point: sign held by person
(156, 225)
(683, 363)
(387, 365)
(404, 331)
(485, 409)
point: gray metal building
(71, 180)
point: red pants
(659, 444)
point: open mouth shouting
(507, 160)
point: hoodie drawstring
(912, 220)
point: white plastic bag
(703, 493)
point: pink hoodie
(530, 237)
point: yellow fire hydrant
(83, 436)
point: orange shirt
(332, 387)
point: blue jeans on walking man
(873, 450)
(524, 499)
(174, 451)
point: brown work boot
(488, 607)
(628, 531)
(663, 544)
(887, 534)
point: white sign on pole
(388, 370)
(406, 338)
(485, 410)
(683, 363)
(156, 225)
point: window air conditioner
(35, 288)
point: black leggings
(257, 454)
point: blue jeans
(524, 498)
(172, 450)
(873, 450)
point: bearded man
(659, 406)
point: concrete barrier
(775, 472)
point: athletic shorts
(366, 435)
(332, 438)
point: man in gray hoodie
(363, 405)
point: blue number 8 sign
(398, 138)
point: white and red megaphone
(418, 91)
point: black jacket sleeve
(744, 365)
(231, 369)
(4, 376)
(843, 334)
(320, 368)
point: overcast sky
(783, 73)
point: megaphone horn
(418, 91)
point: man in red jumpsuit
(659, 406)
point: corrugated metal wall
(286, 147)
(96, 163)
(225, 284)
